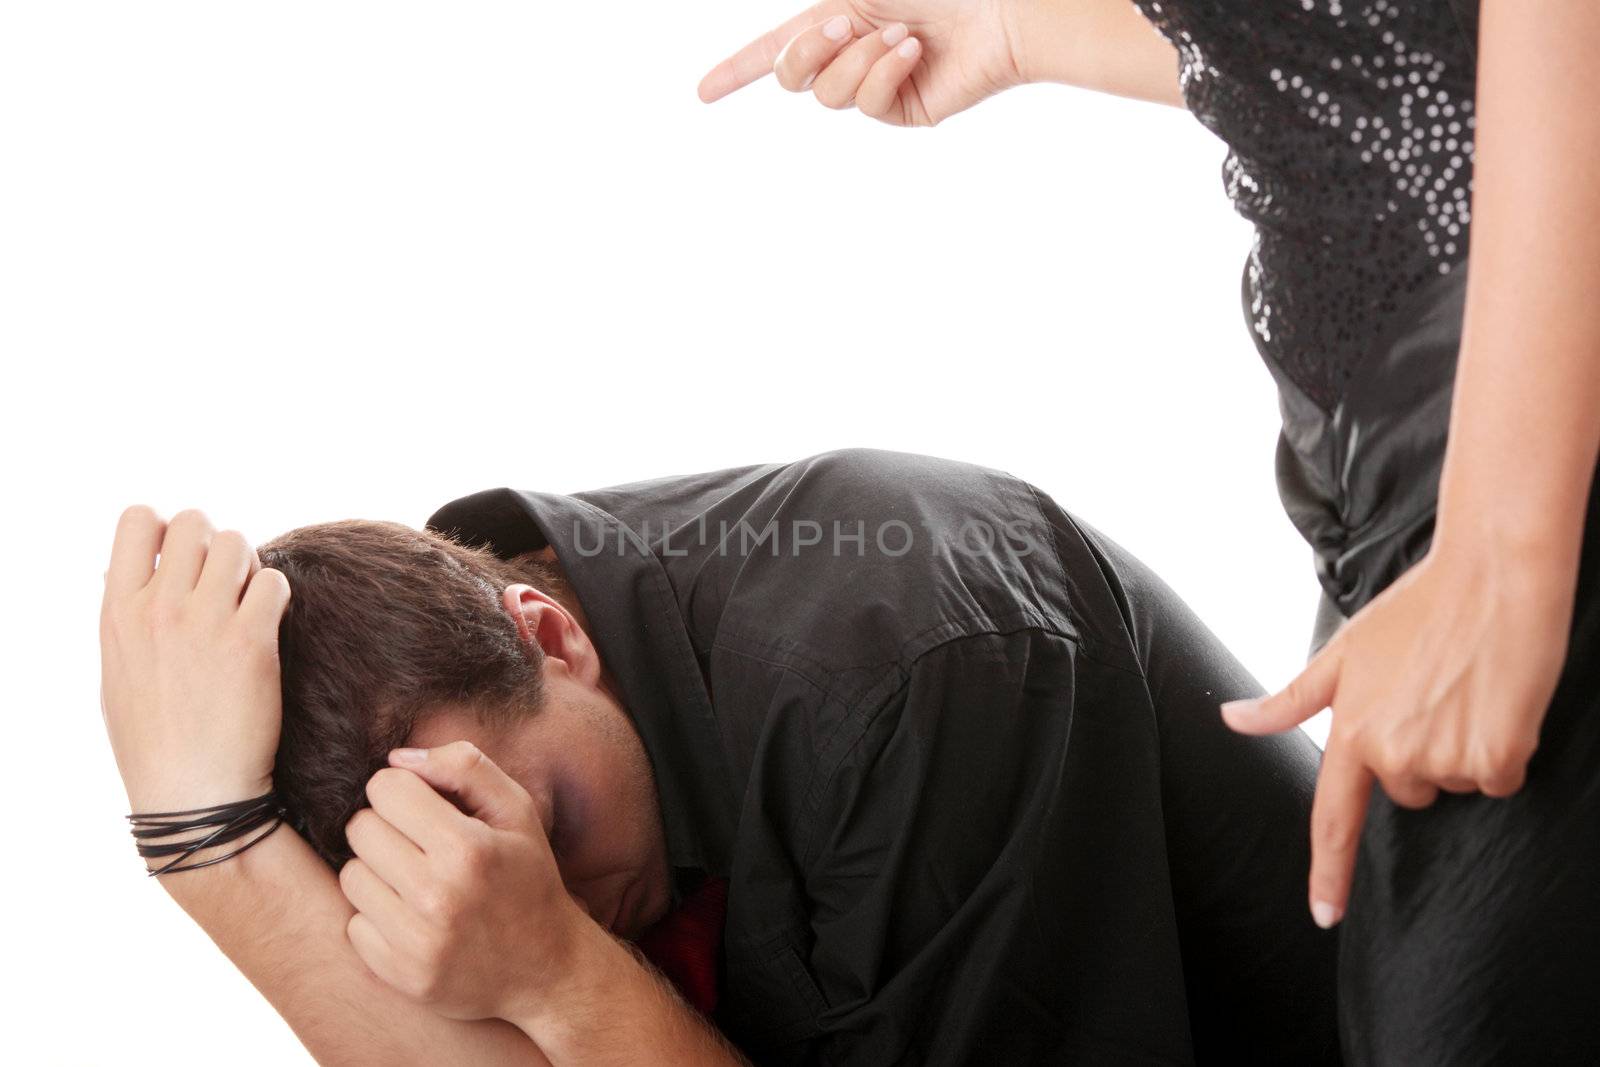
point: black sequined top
(1349, 126)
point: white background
(295, 262)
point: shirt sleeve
(985, 871)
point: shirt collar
(635, 623)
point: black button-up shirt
(893, 700)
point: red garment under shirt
(686, 943)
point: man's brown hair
(384, 624)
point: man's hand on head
(189, 682)
(461, 908)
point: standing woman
(1456, 828)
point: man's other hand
(459, 905)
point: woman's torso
(1349, 128)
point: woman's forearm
(1525, 421)
(1104, 45)
(276, 911)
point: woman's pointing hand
(904, 62)
(1441, 682)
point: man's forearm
(613, 1007)
(1104, 45)
(276, 911)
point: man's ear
(541, 620)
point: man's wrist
(580, 984)
(608, 1005)
(176, 797)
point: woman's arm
(1104, 45)
(1443, 681)
(1525, 422)
(276, 911)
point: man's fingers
(264, 601)
(133, 550)
(1308, 693)
(388, 853)
(1338, 810)
(373, 897)
(411, 806)
(755, 60)
(227, 565)
(484, 790)
(183, 553)
(374, 951)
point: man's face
(582, 761)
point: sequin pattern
(1349, 129)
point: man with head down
(866, 758)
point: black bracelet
(227, 822)
(242, 814)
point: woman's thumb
(1308, 693)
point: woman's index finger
(755, 60)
